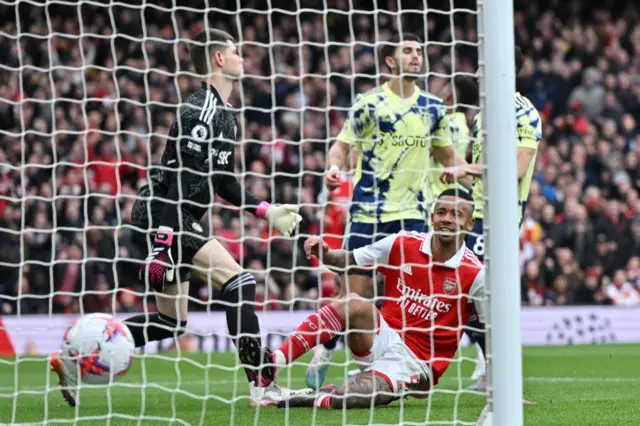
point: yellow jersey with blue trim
(454, 128)
(394, 136)
(528, 135)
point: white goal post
(503, 276)
(88, 90)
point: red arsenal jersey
(427, 303)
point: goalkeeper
(395, 128)
(528, 136)
(198, 162)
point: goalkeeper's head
(214, 52)
(403, 54)
(453, 215)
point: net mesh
(88, 92)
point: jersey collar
(410, 99)
(454, 262)
(210, 88)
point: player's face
(232, 66)
(409, 58)
(450, 216)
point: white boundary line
(300, 380)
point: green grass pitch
(585, 385)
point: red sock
(316, 329)
(323, 401)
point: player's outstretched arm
(336, 259)
(284, 218)
(452, 161)
(456, 173)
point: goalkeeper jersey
(394, 136)
(454, 128)
(528, 135)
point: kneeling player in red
(432, 284)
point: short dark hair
(204, 45)
(519, 60)
(389, 47)
(466, 90)
(458, 192)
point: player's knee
(214, 265)
(356, 306)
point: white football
(99, 348)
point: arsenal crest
(449, 286)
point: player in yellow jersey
(459, 95)
(528, 136)
(394, 127)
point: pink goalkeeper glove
(158, 266)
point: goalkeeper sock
(151, 327)
(240, 293)
(317, 328)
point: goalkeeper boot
(253, 354)
(318, 367)
(68, 381)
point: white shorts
(391, 359)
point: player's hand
(314, 246)
(284, 218)
(159, 266)
(332, 178)
(452, 174)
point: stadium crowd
(81, 117)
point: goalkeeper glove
(284, 218)
(159, 266)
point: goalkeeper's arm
(181, 181)
(283, 218)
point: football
(99, 347)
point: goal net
(88, 92)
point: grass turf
(586, 385)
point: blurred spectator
(76, 139)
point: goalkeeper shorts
(188, 239)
